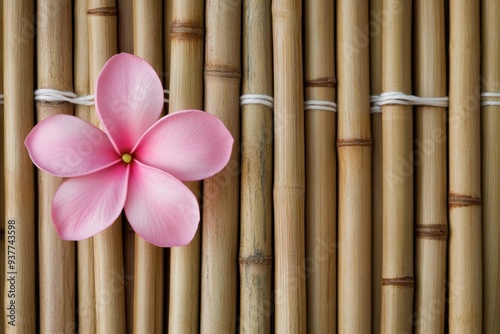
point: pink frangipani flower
(136, 163)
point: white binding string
(167, 92)
(320, 105)
(486, 96)
(265, 100)
(1, 98)
(399, 98)
(54, 95)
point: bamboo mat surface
(362, 192)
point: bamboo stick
(397, 141)
(186, 70)
(354, 150)
(430, 159)
(221, 192)
(256, 235)
(321, 171)
(465, 261)
(376, 12)
(167, 22)
(288, 191)
(19, 171)
(147, 32)
(490, 73)
(56, 256)
(167, 42)
(2, 182)
(86, 310)
(167, 46)
(125, 32)
(108, 256)
(126, 44)
(148, 267)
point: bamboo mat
(362, 194)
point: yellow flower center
(127, 158)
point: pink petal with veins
(190, 145)
(160, 208)
(129, 99)
(86, 205)
(67, 146)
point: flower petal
(190, 145)
(84, 206)
(128, 98)
(160, 208)
(67, 146)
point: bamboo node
(405, 282)
(327, 82)
(433, 232)
(354, 142)
(459, 200)
(222, 71)
(103, 11)
(184, 30)
(257, 260)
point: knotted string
(399, 98)
(54, 95)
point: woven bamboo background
(339, 211)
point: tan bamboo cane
(354, 150)
(186, 92)
(125, 31)
(220, 213)
(19, 293)
(256, 235)
(397, 142)
(288, 190)
(377, 24)
(465, 245)
(148, 267)
(167, 47)
(2, 182)
(86, 310)
(490, 72)
(167, 22)
(321, 171)
(56, 256)
(108, 251)
(125, 21)
(430, 159)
